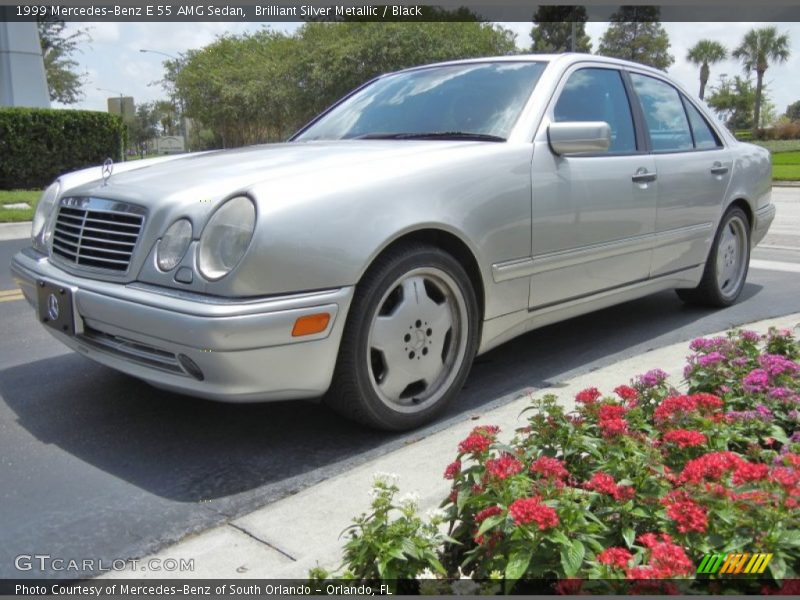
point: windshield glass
(484, 99)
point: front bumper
(237, 350)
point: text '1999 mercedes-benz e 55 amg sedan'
(425, 218)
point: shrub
(37, 145)
(638, 486)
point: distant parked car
(427, 217)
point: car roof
(564, 60)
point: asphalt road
(95, 464)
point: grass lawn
(779, 145)
(786, 166)
(13, 215)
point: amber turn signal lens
(310, 324)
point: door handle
(643, 176)
(718, 169)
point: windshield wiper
(433, 135)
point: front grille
(94, 233)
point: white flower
(386, 479)
(409, 500)
(436, 515)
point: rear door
(693, 174)
(593, 215)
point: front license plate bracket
(55, 307)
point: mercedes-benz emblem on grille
(52, 307)
(108, 168)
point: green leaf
(778, 433)
(487, 524)
(777, 567)
(629, 535)
(517, 565)
(461, 500)
(572, 557)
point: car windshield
(479, 101)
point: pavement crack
(258, 539)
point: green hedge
(38, 144)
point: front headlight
(226, 237)
(173, 244)
(41, 230)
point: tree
(58, 46)
(143, 127)
(636, 34)
(553, 29)
(733, 100)
(793, 111)
(705, 53)
(262, 86)
(758, 49)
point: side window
(598, 95)
(663, 111)
(704, 136)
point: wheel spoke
(396, 380)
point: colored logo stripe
(733, 564)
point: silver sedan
(427, 217)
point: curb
(285, 539)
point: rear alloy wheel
(409, 340)
(726, 268)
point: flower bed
(638, 485)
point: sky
(112, 59)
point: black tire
(380, 310)
(715, 289)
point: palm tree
(704, 53)
(759, 48)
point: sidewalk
(15, 231)
(285, 539)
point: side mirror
(579, 137)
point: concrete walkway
(285, 539)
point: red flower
(474, 443)
(549, 468)
(611, 411)
(605, 484)
(611, 420)
(528, 510)
(503, 467)
(747, 471)
(453, 469)
(786, 477)
(487, 512)
(568, 587)
(627, 393)
(709, 466)
(685, 438)
(615, 557)
(689, 515)
(667, 560)
(678, 406)
(588, 396)
(489, 431)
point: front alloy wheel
(409, 340)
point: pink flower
(756, 380)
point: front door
(593, 215)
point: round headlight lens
(44, 209)
(226, 237)
(173, 245)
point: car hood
(213, 176)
